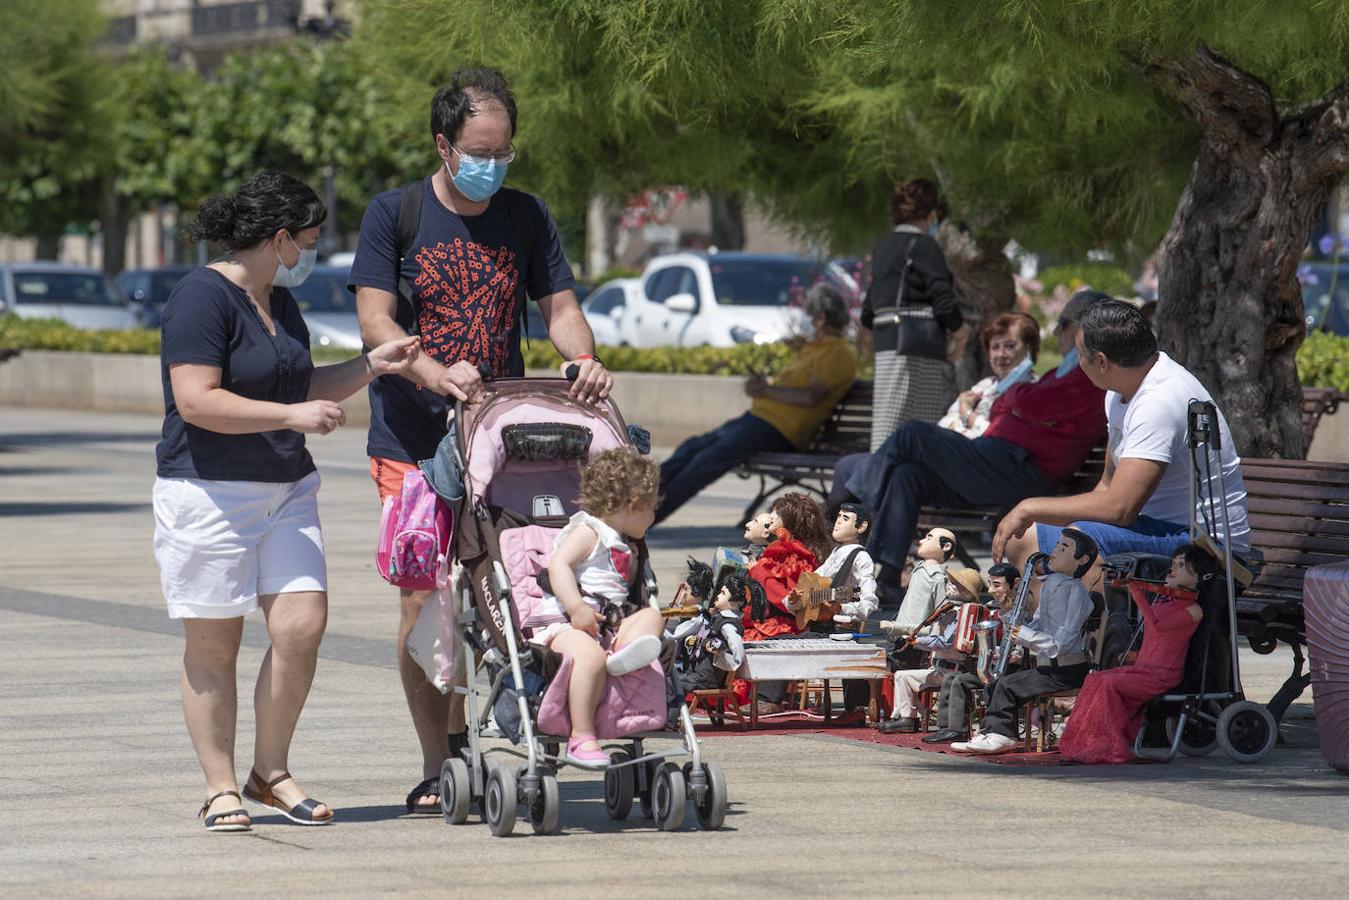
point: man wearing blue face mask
(454, 258)
(1038, 435)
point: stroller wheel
(455, 791)
(1198, 738)
(499, 804)
(545, 811)
(668, 794)
(646, 791)
(711, 809)
(619, 786)
(1247, 731)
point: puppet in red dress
(1109, 708)
(801, 536)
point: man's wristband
(366, 356)
(589, 356)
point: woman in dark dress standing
(236, 492)
(910, 309)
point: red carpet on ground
(852, 726)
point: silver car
(329, 309)
(85, 298)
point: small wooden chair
(719, 702)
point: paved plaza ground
(99, 786)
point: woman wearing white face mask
(235, 497)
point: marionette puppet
(927, 584)
(1109, 709)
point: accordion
(970, 615)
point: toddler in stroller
(591, 588)
(550, 480)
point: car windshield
(1324, 311)
(87, 289)
(764, 282)
(325, 291)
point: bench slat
(1279, 524)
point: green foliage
(1040, 119)
(153, 144)
(299, 108)
(617, 272)
(53, 334)
(50, 131)
(744, 359)
(1100, 276)
(1323, 361)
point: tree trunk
(982, 277)
(48, 246)
(1230, 307)
(113, 221)
(728, 221)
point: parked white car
(723, 299)
(85, 298)
(329, 309)
(606, 306)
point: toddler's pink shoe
(586, 759)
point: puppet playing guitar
(813, 600)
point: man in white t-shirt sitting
(1142, 502)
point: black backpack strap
(524, 214)
(409, 219)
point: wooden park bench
(848, 430)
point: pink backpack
(414, 535)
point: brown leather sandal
(301, 813)
(224, 826)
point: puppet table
(805, 659)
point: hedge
(1101, 276)
(1323, 359)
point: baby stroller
(521, 448)
(1208, 708)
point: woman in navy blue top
(235, 497)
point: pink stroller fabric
(486, 454)
(524, 554)
(630, 704)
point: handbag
(909, 329)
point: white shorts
(219, 544)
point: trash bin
(1325, 597)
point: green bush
(1111, 279)
(53, 334)
(1323, 361)
(744, 359)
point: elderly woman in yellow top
(787, 409)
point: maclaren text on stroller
(521, 448)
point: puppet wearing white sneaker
(1054, 635)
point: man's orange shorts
(388, 475)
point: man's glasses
(507, 157)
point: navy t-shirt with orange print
(469, 277)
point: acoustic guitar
(813, 599)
